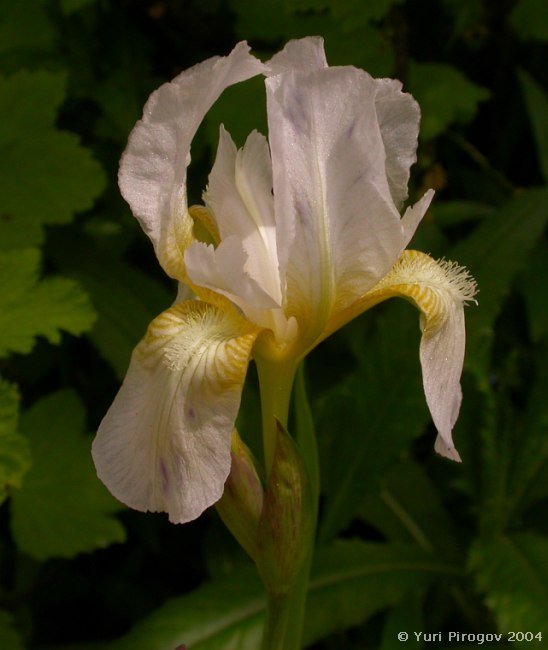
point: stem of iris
(285, 608)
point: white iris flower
(306, 234)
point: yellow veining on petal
(195, 328)
(172, 245)
(427, 283)
(205, 228)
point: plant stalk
(285, 611)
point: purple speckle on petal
(191, 413)
(165, 477)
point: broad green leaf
(9, 408)
(61, 509)
(408, 508)
(9, 637)
(380, 409)
(407, 615)
(512, 573)
(494, 253)
(363, 46)
(45, 174)
(536, 101)
(126, 299)
(228, 613)
(240, 109)
(529, 19)
(445, 96)
(30, 307)
(14, 452)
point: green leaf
(9, 408)
(381, 409)
(348, 12)
(45, 174)
(62, 509)
(25, 27)
(270, 20)
(126, 300)
(528, 476)
(529, 19)
(535, 293)
(14, 452)
(537, 106)
(467, 16)
(445, 96)
(494, 253)
(228, 613)
(30, 307)
(408, 508)
(451, 213)
(305, 434)
(407, 615)
(512, 572)
(9, 638)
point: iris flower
(303, 233)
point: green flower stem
(285, 611)
(276, 383)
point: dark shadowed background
(408, 541)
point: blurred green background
(408, 541)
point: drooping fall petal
(164, 445)
(439, 290)
(152, 174)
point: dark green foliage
(407, 540)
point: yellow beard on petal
(425, 282)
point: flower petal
(239, 194)
(330, 190)
(414, 214)
(399, 116)
(164, 445)
(440, 290)
(152, 174)
(302, 54)
(223, 269)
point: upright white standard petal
(338, 230)
(304, 54)
(413, 215)
(152, 174)
(164, 445)
(399, 116)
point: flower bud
(241, 505)
(286, 523)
